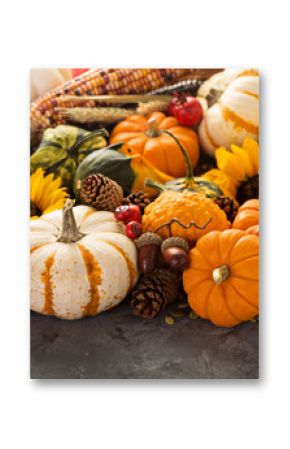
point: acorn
(148, 245)
(175, 251)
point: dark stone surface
(118, 345)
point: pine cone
(101, 192)
(154, 292)
(139, 198)
(228, 205)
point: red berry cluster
(131, 216)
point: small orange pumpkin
(253, 230)
(252, 204)
(248, 215)
(222, 280)
(143, 135)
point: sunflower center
(34, 209)
(248, 189)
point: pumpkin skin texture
(160, 150)
(232, 296)
(252, 204)
(235, 113)
(247, 216)
(253, 230)
(186, 207)
(85, 277)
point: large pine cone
(101, 192)
(154, 292)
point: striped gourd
(44, 114)
(81, 262)
(233, 112)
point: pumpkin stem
(154, 185)
(220, 274)
(69, 232)
(102, 132)
(153, 130)
(189, 170)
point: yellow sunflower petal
(227, 162)
(252, 148)
(36, 185)
(58, 205)
(55, 196)
(50, 186)
(46, 193)
(243, 159)
(227, 185)
(57, 182)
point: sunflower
(45, 194)
(238, 170)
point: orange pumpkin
(253, 230)
(250, 205)
(143, 135)
(248, 215)
(222, 280)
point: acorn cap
(175, 242)
(148, 238)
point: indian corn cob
(43, 113)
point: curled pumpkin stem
(192, 224)
(189, 169)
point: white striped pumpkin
(235, 114)
(81, 262)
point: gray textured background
(118, 345)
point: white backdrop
(127, 414)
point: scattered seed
(192, 315)
(169, 319)
(183, 305)
(177, 313)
